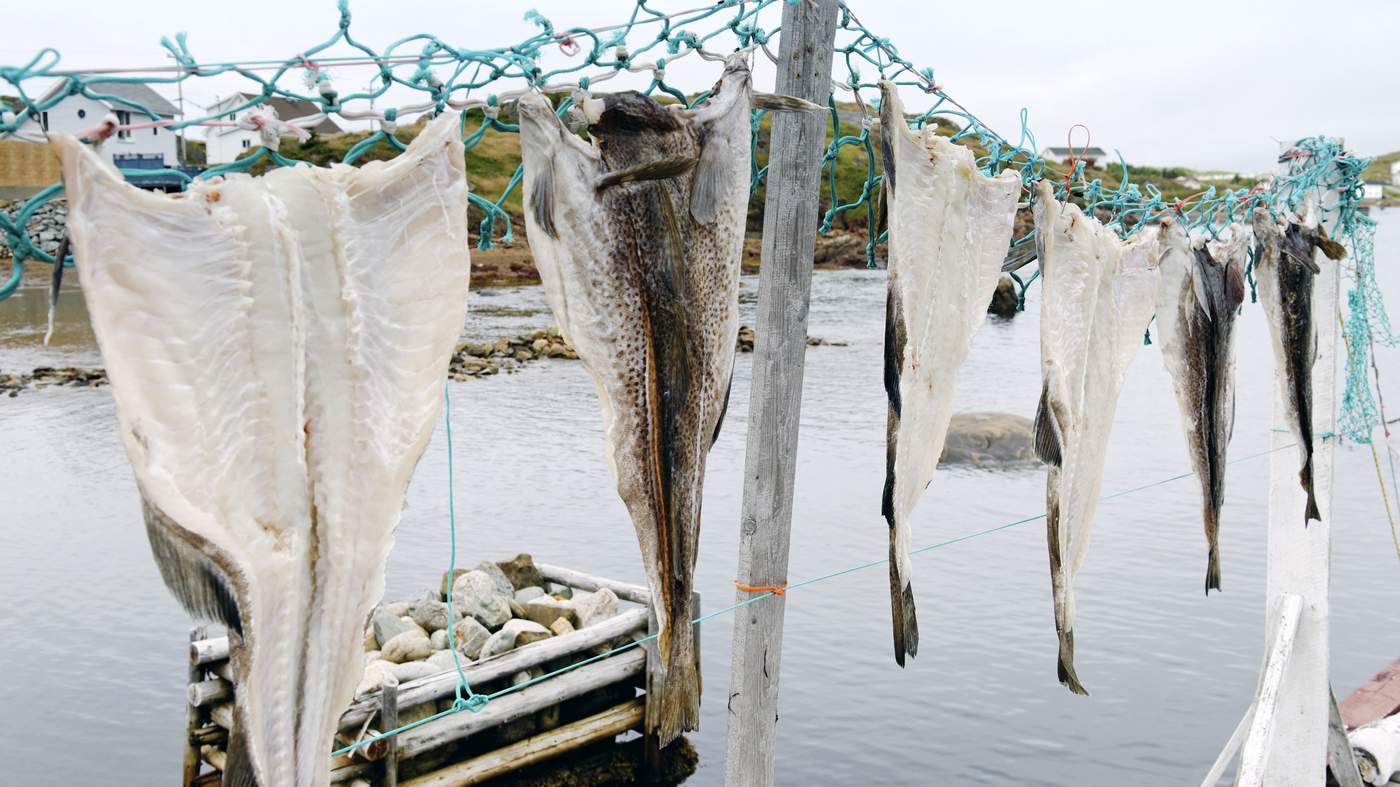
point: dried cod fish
(1201, 289)
(277, 348)
(1098, 295)
(949, 229)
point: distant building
(226, 143)
(1395, 173)
(1373, 189)
(77, 113)
(1188, 182)
(1063, 155)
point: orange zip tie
(776, 590)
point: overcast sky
(1195, 83)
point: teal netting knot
(583, 83)
(473, 703)
(391, 114)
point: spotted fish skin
(638, 238)
(277, 348)
(1098, 296)
(949, 228)
(1201, 290)
(1285, 268)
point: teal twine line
(472, 701)
(769, 594)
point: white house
(78, 113)
(1063, 155)
(1395, 173)
(226, 143)
(1372, 189)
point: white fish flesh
(949, 229)
(1099, 294)
(1201, 289)
(638, 238)
(277, 347)
(1285, 267)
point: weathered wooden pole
(775, 398)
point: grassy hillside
(1380, 168)
(492, 162)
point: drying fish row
(950, 227)
(278, 347)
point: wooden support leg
(1340, 758)
(389, 719)
(1255, 755)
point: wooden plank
(207, 651)
(775, 398)
(1259, 744)
(213, 756)
(536, 748)
(436, 687)
(207, 692)
(1341, 760)
(1298, 553)
(1228, 753)
(222, 715)
(190, 769)
(389, 719)
(1377, 698)
(577, 579)
(519, 704)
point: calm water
(92, 646)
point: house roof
(1092, 152)
(134, 92)
(287, 109)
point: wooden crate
(566, 712)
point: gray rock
(561, 627)
(413, 625)
(371, 643)
(517, 610)
(525, 594)
(477, 596)
(408, 646)
(397, 608)
(470, 636)
(515, 633)
(547, 609)
(521, 571)
(448, 577)
(497, 575)
(374, 677)
(989, 439)
(386, 625)
(591, 608)
(431, 614)
(439, 639)
(562, 591)
(442, 661)
(413, 670)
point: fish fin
(906, 625)
(238, 760)
(1305, 477)
(1234, 284)
(202, 587)
(1333, 249)
(724, 409)
(1198, 282)
(889, 126)
(895, 339)
(1065, 667)
(882, 211)
(1047, 432)
(56, 283)
(542, 200)
(707, 187)
(661, 169)
(777, 102)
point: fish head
(628, 112)
(541, 128)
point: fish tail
(1305, 476)
(906, 624)
(677, 709)
(1066, 664)
(1213, 569)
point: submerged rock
(1003, 302)
(989, 439)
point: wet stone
(521, 571)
